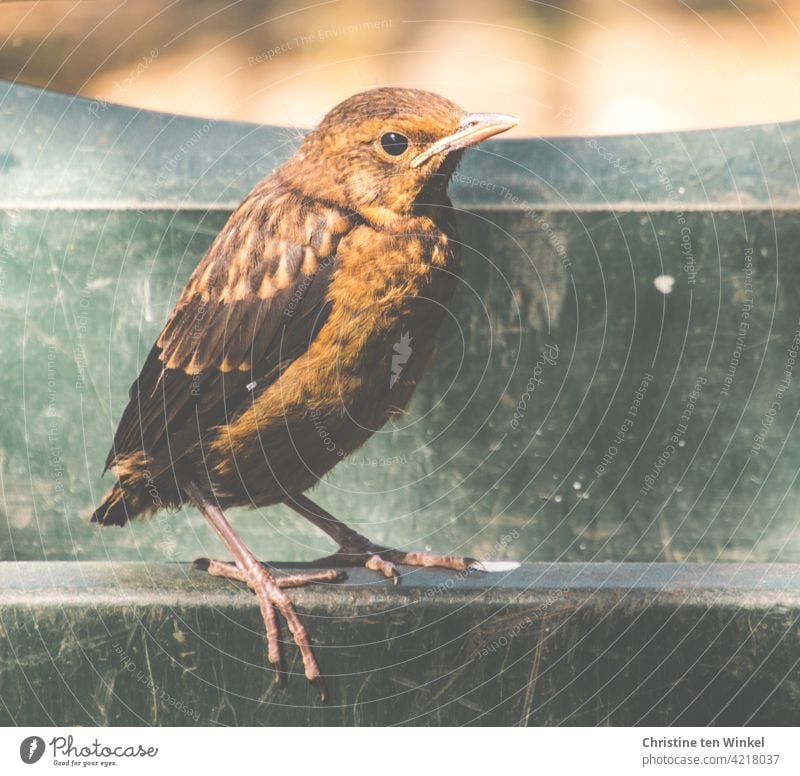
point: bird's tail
(137, 491)
(114, 509)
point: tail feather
(113, 510)
(137, 491)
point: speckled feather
(288, 324)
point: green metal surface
(575, 413)
(573, 644)
(572, 402)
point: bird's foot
(270, 595)
(386, 560)
(219, 568)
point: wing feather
(240, 320)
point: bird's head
(383, 151)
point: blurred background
(572, 67)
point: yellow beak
(474, 128)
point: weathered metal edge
(68, 151)
(94, 583)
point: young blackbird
(277, 359)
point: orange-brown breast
(389, 295)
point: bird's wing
(251, 307)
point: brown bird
(277, 359)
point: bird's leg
(268, 589)
(356, 550)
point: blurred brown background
(588, 66)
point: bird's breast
(389, 296)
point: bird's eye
(394, 143)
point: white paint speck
(148, 308)
(493, 566)
(664, 283)
(98, 283)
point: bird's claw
(386, 561)
(270, 595)
(319, 683)
(386, 567)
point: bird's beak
(472, 129)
